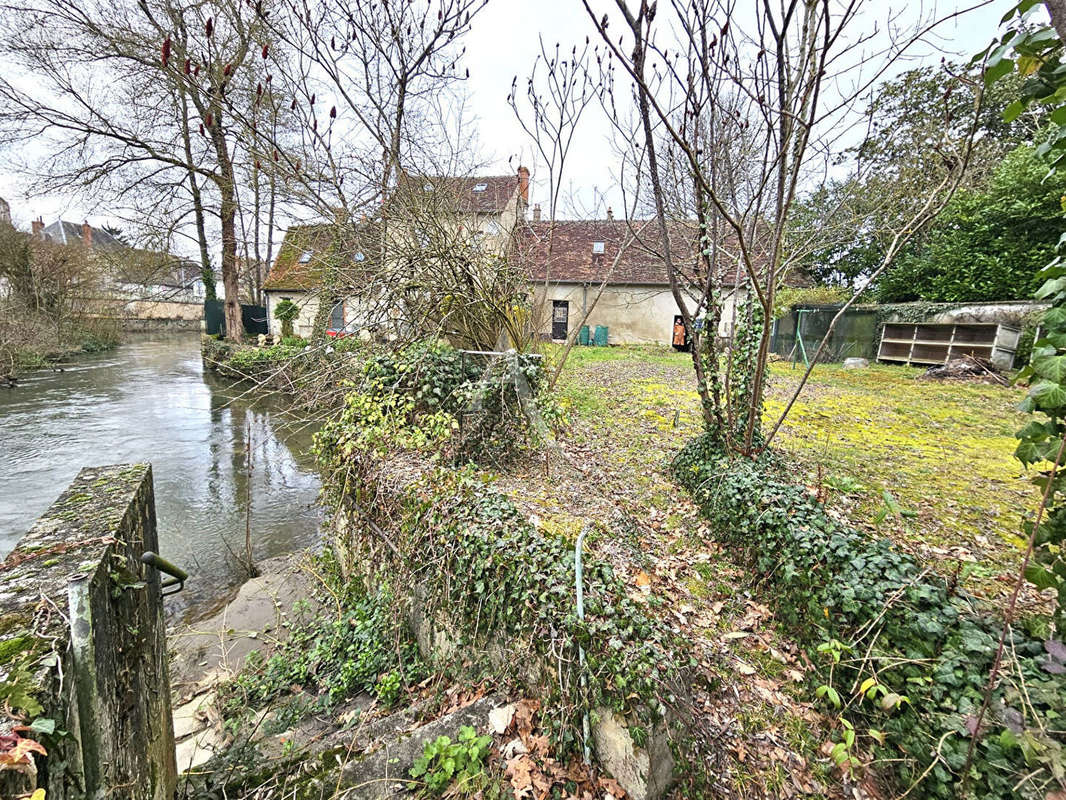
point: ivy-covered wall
(905, 656)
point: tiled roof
(63, 232)
(304, 252)
(574, 258)
(487, 194)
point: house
(316, 255)
(422, 214)
(637, 306)
(130, 272)
(142, 288)
(627, 259)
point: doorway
(560, 318)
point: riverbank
(32, 358)
(149, 399)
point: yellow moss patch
(943, 449)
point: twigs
(1008, 617)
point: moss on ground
(943, 450)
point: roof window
(305, 256)
(480, 187)
(597, 248)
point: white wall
(633, 314)
(304, 323)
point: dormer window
(597, 248)
(305, 256)
(480, 187)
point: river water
(150, 400)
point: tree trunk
(207, 272)
(1057, 10)
(227, 213)
(228, 217)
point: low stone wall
(1016, 312)
(534, 640)
(133, 325)
(82, 646)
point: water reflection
(150, 401)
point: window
(480, 187)
(305, 256)
(597, 248)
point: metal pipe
(178, 576)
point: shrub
(286, 311)
(361, 649)
(496, 403)
(887, 619)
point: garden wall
(94, 692)
(481, 587)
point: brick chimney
(536, 213)
(523, 184)
(87, 234)
(610, 213)
(37, 226)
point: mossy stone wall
(84, 622)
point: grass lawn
(943, 450)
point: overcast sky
(504, 43)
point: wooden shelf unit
(927, 343)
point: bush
(495, 402)
(286, 311)
(887, 619)
(987, 244)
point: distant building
(489, 207)
(133, 273)
(626, 258)
(63, 232)
(5, 212)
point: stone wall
(1014, 312)
(83, 645)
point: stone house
(312, 263)
(626, 257)
(130, 273)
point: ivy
(906, 628)
(470, 564)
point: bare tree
(365, 78)
(559, 89)
(140, 105)
(737, 106)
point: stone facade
(82, 619)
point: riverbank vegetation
(46, 296)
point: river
(150, 400)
